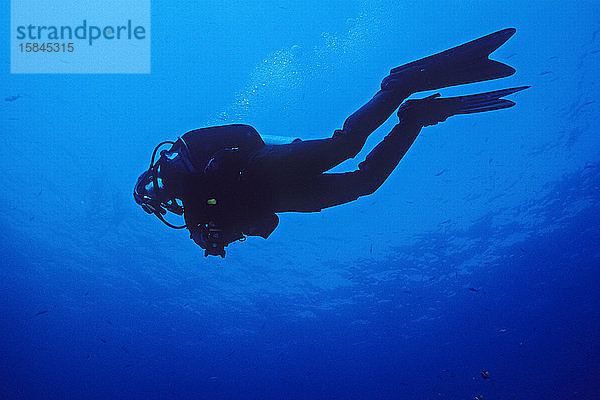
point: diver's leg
(466, 63)
(327, 190)
(312, 157)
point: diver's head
(150, 193)
(146, 195)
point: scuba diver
(229, 184)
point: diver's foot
(467, 63)
(434, 109)
(424, 112)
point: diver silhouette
(229, 184)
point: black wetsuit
(229, 176)
(232, 184)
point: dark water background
(480, 252)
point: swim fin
(434, 109)
(459, 65)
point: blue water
(479, 253)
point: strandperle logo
(84, 31)
(80, 37)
